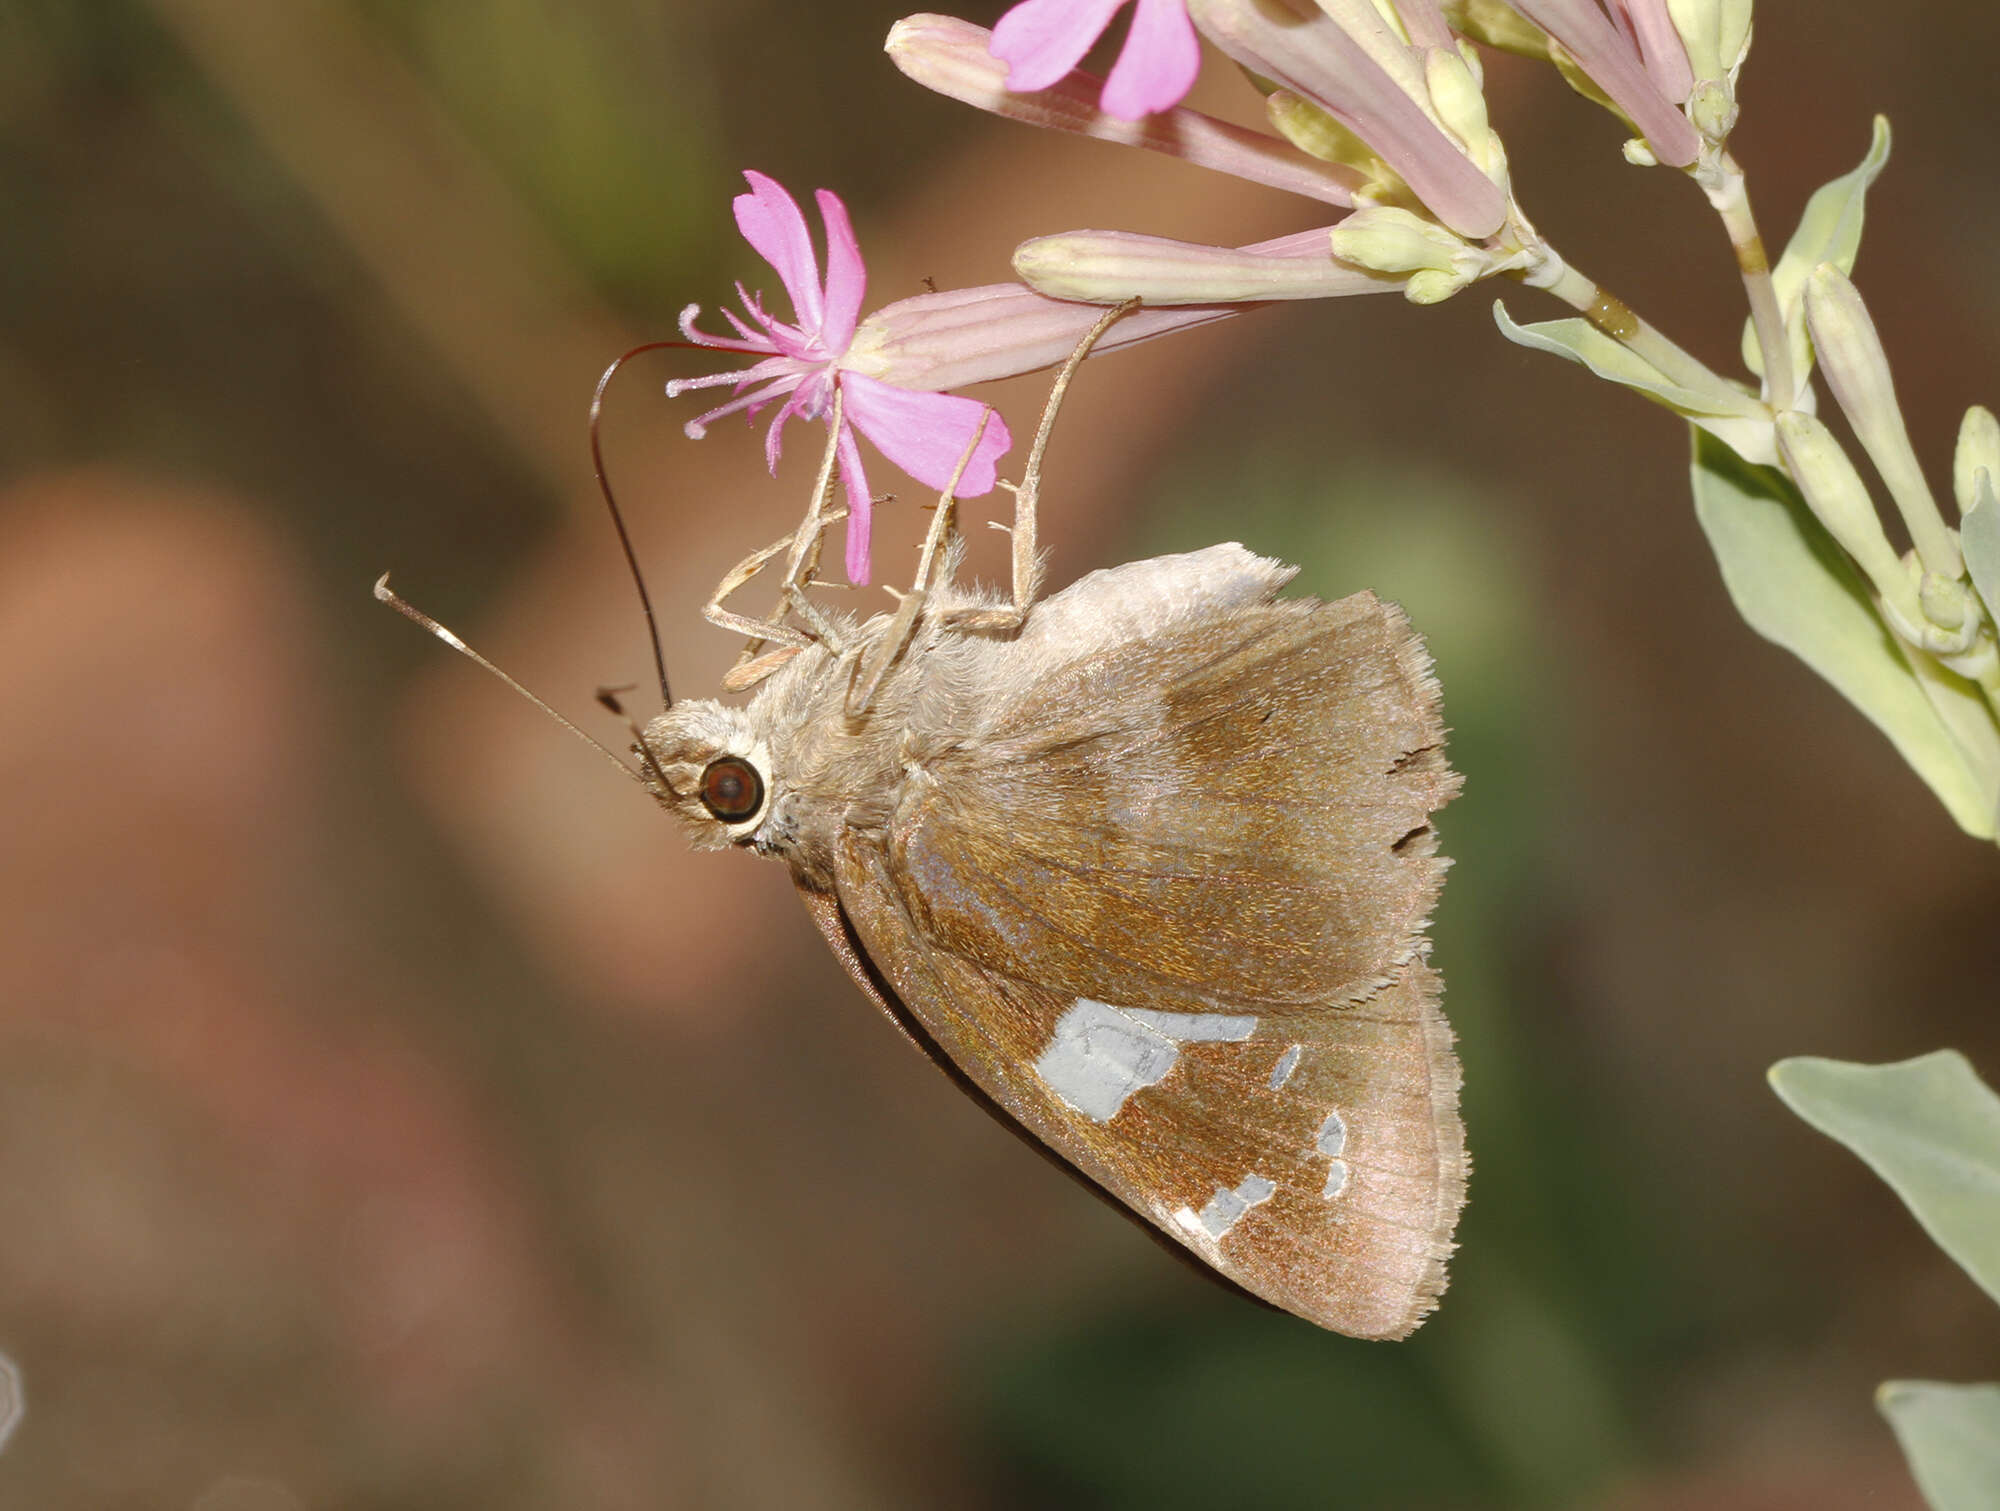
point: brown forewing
(1237, 809)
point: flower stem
(1616, 319)
(1728, 192)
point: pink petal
(860, 506)
(1041, 40)
(1301, 47)
(1157, 67)
(771, 222)
(926, 433)
(1649, 24)
(952, 58)
(1611, 61)
(1425, 23)
(846, 274)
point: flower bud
(1839, 500)
(1851, 355)
(1390, 240)
(1712, 109)
(1978, 451)
(1716, 34)
(1460, 101)
(1104, 267)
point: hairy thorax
(824, 769)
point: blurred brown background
(391, 1115)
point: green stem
(1729, 194)
(1611, 315)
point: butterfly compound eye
(731, 789)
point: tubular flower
(1631, 51)
(1042, 40)
(1404, 90)
(922, 431)
(1373, 103)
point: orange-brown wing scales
(1236, 810)
(1229, 1149)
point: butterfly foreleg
(760, 630)
(802, 551)
(875, 665)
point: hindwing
(1315, 1157)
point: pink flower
(1630, 50)
(1042, 40)
(924, 433)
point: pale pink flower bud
(950, 56)
(1107, 266)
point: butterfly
(1145, 865)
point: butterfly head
(711, 769)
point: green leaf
(1737, 420)
(1979, 539)
(1929, 1127)
(1794, 585)
(1951, 1436)
(1829, 231)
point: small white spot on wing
(1331, 1140)
(1287, 1063)
(1226, 1208)
(1332, 1135)
(1099, 1054)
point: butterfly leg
(802, 549)
(869, 673)
(1027, 494)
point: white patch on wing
(1099, 1054)
(11, 1399)
(1226, 1208)
(1195, 1028)
(1331, 1141)
(1287, 1063)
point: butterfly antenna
(607, 697)
(618, 519)
(411, 612)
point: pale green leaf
(1930, 1128)
(1979, 539)
(1829, 231)
(1951, 1436)
(1737, 420)
(1793, 585)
